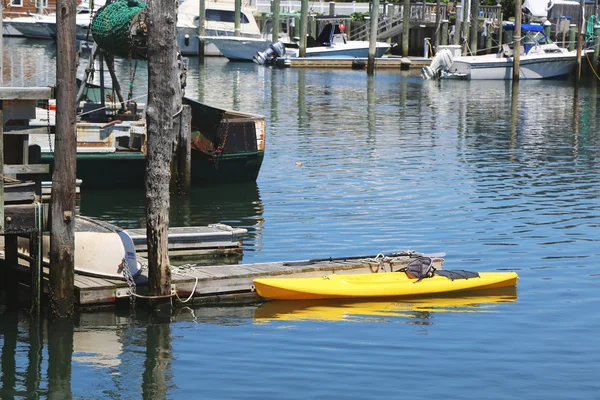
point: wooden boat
(387, 284)
(348, 310)
(227, 146)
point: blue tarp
(524, 27)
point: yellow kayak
(387, 284)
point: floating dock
(195, 240)
(222, 283)
(398, 63)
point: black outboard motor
(268, 56)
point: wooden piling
(62, 231)
(444, 33)
(201, 30)
(580, 27)
(517, 43)
(474, 26)
(275, 9)
(237, 18)
(465, 27)
(572, 34)
(438, 21)
(405, 27)
(457, 26)
(164, 102)
(303, 27)
(373, 36)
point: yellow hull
(389, 284)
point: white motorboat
(29, 26)
(331, 43)
(83, 19)
(219, 22)
(540, 59)
(240, 48)
(101, 249)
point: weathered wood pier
(219, 283)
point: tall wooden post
(62, 228)
(405, 27)
(373, 36)
(474, 26)
(164, 102)
(276, 22)
(438, 19)
(500, 19)
(458, 26)
(580, 26)
(201, 30)
(517, 42)
(466, 23)
(303, 27)
(444, 33)
(237, 18)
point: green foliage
(359, 16)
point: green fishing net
(111, 26)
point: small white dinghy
(101, 249)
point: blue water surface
(359, 165)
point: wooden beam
(20, 218)
(27, 169)
(26, 93)
(28, 130)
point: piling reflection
(36, 346)
(60, 354)
(414, 310)
(9, 332)
(157, 366)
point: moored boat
(541, 59)
(387, 284)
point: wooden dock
(221, 283)
(193, 241)
(383, 62)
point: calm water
(356, 166)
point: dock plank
(219, 282)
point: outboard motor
(442, 61)
(274, 51)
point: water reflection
(415, 310)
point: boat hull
(351, 49)
(391, 284)
(123, 169)
(101, 249)
(531, 67)
(239, 48)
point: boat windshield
(531, 38)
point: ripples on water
(357, 165)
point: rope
(591, 65)
(381, 259)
